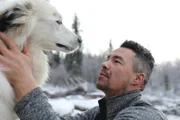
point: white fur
(41, 27)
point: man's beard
(103, 87)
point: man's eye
(107, 58)
(117, 61)
(59, 22)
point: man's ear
(139, 79)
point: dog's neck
(40, 62)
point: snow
(173, 117)
(66, 106)
(160, 107)
(96, 93)
(52, 89)
(62, 106)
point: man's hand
(19, 66)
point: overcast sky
(153, 23)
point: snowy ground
(68, 105)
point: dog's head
(39, 21)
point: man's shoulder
(142, 111)
(89, 114)
(92, 111)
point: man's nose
(105, 65)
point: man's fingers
(10, 44)
(25, 48)
(4, 63)
(3, 50)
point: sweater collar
(110, 106)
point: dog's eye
(59, 22)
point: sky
(153, 23)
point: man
(122, 78)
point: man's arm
(140, 113)
(35, 106)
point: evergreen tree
(75, 25)
(73, 61)
(166, 81)
(110, 46)
(56, 57)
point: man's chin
(101, 86)
(102, 78)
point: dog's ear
(17, 22)
(6, 21)
(14, 17)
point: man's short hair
(143, 60)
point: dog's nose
(79, 40)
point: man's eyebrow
(118, 57)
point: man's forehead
(122, 52)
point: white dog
(39, 21)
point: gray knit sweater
(125, 106)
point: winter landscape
(71, 93)
(71, 85)
(105, 24)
